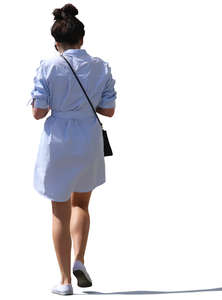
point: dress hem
(80, 191)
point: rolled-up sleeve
(40, 91)
(109, 94)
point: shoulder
(105, 65)
(51, 61)
(97, 59)
(51, 65)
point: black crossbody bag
(107, 147)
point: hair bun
(57, 14)
(68, 10)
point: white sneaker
(62, 289)
(79, 271)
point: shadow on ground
(148, 292)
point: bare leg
(80, 223)
(61, 213)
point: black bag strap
(82, 88)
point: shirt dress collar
(75, 51)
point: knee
(80, 203)
(81, 200)
(61, 210)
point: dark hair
(67, 28)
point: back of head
(67, 28)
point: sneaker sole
(81, 278)
(61, 293)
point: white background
(156, 222)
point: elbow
(36, 117)
(39, 116)
(110, 114)
(39, 113)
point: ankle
(80, 258)
(66, 281)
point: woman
(70, 161)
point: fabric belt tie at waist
(73, 114)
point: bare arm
(39, 113)
(108, 112)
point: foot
(62, 289)
(82, 276)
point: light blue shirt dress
(70, 156)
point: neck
(66, 48)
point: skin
(70, 219)
(70, 224)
